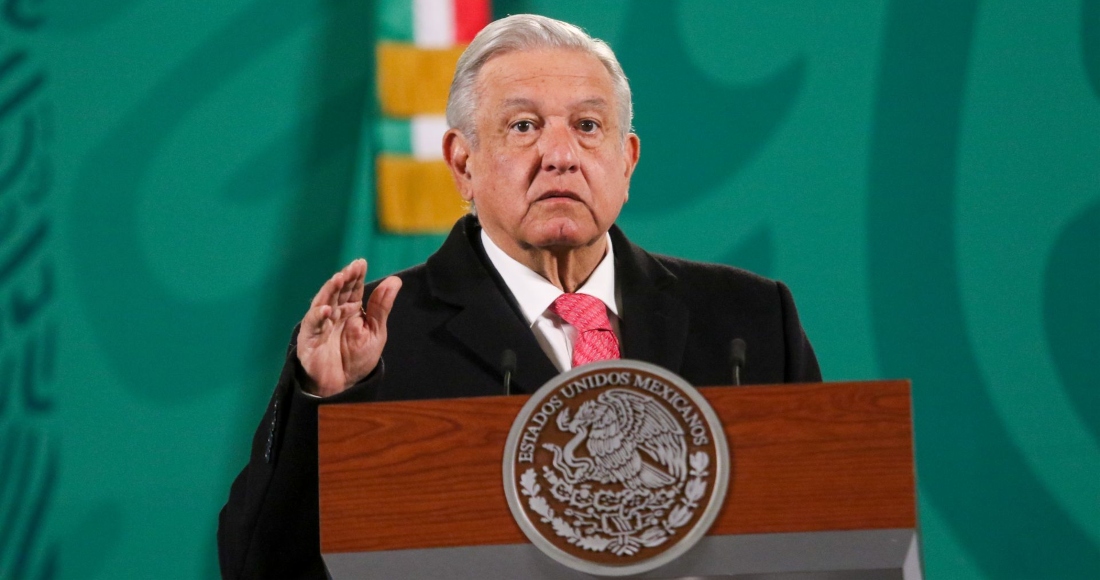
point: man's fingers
(351, 275)
(315, 318)
(329, 291)
(340, 287)
(356, 295)
(381, 301)
(342, 278)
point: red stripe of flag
(470, 17)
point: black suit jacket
(451, 322)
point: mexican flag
(405, 198)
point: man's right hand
(340, 341)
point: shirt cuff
(362, 384)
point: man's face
(550, 169)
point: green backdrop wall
(177, 177)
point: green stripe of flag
(393, 136)
(395, 20)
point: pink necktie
(588, 314)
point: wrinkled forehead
(528, 78)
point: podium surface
(821, 486)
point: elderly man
(541, 148)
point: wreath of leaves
(625, 544)
(538, 504)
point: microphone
(508, 366)
(737, 353)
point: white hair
(527, 32)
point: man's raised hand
(340, 342)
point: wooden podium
(821, 486)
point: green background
(178, 177)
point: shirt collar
(535, 294)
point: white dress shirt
(535, 294)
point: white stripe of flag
(434, 23)
(427, 136)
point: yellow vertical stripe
(414, 81)
(416, 196)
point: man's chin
(563, 235)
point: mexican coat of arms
(616, 468)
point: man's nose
(559, 154)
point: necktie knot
(583, 311)
(595, 338)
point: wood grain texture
(426, 474)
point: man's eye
(588, 126)
(523, 126)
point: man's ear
(632, 150)
(456, 152)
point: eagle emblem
(630, 438)
(616, 467)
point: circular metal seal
(616, 467)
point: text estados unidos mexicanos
(695, 423)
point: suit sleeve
(269, 526)
(800, 361)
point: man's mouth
(559, 194)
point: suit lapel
(655, 320)
(654, 324)
(486, 323)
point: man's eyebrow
(594, 103)
(518, 103)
